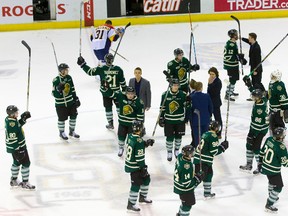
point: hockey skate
(14, 183)
(176, 152)
(63, 135)
(270, 208)
(110, 125)
(256, 172)
(27, 186)
(143, 199)
(235, 94)
(169, 156)
(209, 196)
(132, 207)
(120, 152)
(74, 135)
(246, 168)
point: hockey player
(205, 153)
(278, 101)
(273, 155)
(231, 63)
(102, 37)
(136, 166)
(112, 74)
(258, 129)
(172, 117)
(185, 181)
(66, 101)
(16, 145)
(179, 68)
(130, 108)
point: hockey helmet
(276, 75)
(174, 81)
(214, 126)
(130, 89)
(11, 109)
(62, 66)
(188, 151)
(279, 133)
(232, 33)
(178, 51)
(109, 58)
(137, 126)
(257, 93)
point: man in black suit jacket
(254, 60)
(142, 88)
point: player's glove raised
(149, 142)
(60, 87)
(81, 61)
(195, 67)
(224, 145)
(25, 115)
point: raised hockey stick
(120, 55)
(228, 108)
(29, 68)
(115, 53)
(268, 55)
(55, 56)
(240, 39)
(197, 112)
(80, 37)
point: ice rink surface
(86, 177)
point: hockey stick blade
(235, 18)
(27, 46)
(128, 25)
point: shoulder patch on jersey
(12, 124)
(139, 139)
(214, 135)
(55, 79)
(186, 166)
(170, 63)
(259, 111)
(282, 146)
(279, 87)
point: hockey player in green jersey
(205, 152)
(231, 63)
(114, 75)
(136, 166)
(172, 117)
(278, 101)
(273, 155)
(130, 108)
(16, 145)
(258, 128)
(66, 101)
(179, 68)
(185, 181)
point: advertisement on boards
(89, 13)
(15, 11)
(248, 5)
(153, 7)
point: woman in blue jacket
(214, 90)
(201, 102)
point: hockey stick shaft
(199, 137)
(29, 68)
(267, 55)
(115, 53)
(192, 40)
(120, 55)
(227, 113)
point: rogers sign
(245, 5)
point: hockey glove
(199, 177)
(60, 87)
(77, 102)
(19, 155)
(241, 58)
(25, 115)
(247, 81)
(224, 145)
(120, 30)
(149, 142)
(161, 121)
(285, 114)
(144, 171)
(81, 61)
(104, 84)
(195, 67)
(259, 166)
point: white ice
(86, 176)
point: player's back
(101, 36)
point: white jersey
(101, 36)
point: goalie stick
(29, 68)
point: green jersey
(15, 137)
(174, 107)
(135, 153)
(184, 180)
(129, 110)
(258, 117)
(114, 76)
(230, 55)
(68, 95)
(209, 147)
(273, 154)
(180, 71)
(278, 99)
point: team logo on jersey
(279, 88)
(181, 73)
(186, 166)
(12, 124)
(282, 97)
(282, 147)
(127, 110)
(173, 106)
(139, 139)
(66, 89)
(259, 111)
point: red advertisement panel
(89, 13)
(247, 5)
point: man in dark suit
(254, 60)
(142, 88)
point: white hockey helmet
(276, 75)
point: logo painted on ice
(161, 5)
